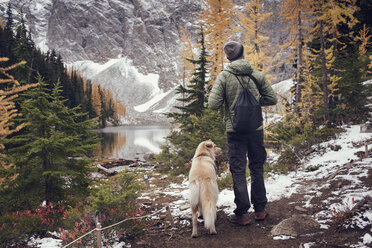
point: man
(226, 90)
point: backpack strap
(244, 88)
(249, 75)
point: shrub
(181, 144)
(225, 181)
(18, 226)
(110, 202)
(296, 143)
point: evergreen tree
(50, 66)
(50, 155)
(329, 15)
(196, 123)
(2, 40)
(8, 33)
(22, 50)
(194, 94)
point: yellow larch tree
(296, 14)
(8, 110)
(311, 101)
(217, 18)
(188, 51)
(96, 99)
(365, 40)
(257, 49)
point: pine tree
(195, 122)
(218, 18)
(8, 33)
(328, 15)
(50, 155)
(2, 40)
(194, 94)
(23, 51)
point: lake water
(131, 142)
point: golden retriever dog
(203, 186)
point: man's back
(227, 87)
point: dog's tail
(208, 197)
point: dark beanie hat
(234, 50)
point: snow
(148, 82)
(90, 69)
(367, 239)
(283, 88)
(45, 242)
(347, 152)
(283, 186)
(144, 107)
(308, 245)
(283, 237)
(170, 104)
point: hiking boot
(242, 220)
(259, 216)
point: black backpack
(247, 110)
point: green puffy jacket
(227, 82)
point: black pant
(239, 146)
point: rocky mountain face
(129, 46)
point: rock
(366, 128)
(148, 156)
(298, 208)
(185, 207)
(294, 226)
(349, 165)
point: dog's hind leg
(200, 211)
(194, 222)
(208, 202)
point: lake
(126, 142)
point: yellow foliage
(187, 52)
(96, 99)
(258, 50)
(8, 110)
(334, 12)
(217, 18)
(364, 38)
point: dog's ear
(209, 144)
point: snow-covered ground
(283, 186)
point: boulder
(296, 225)
(366, 128)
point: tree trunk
(324, 75)
(299, 63)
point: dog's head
(207, 148)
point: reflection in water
(131, 142)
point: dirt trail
(258, 233)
